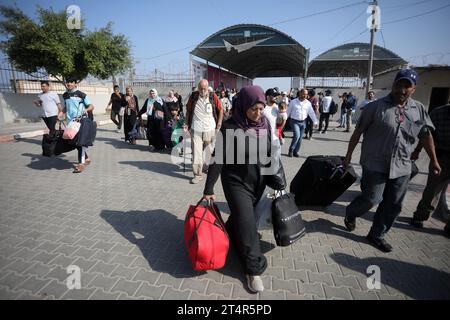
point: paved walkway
(121, 222)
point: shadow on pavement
(159, 236)
(402, 276)
(164, 168)
(39, 162)
(328, 227)
(339, 206)
(404, 223)
(37, 141)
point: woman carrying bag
(244, 184)
(130, 117)
(157, 116)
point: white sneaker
(196, 179)
(255, 284)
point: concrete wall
(428, 79)
(15, 106)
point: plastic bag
(71, 130)
(263, 210)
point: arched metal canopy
(351, 60)
(254, 51)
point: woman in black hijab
(242, 170)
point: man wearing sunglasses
(391, 127)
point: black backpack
(333, 107)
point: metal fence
(15, 81)
(327, 82)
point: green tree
(62, 52)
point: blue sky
(158, 27)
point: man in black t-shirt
(118, 102)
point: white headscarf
(152, 101)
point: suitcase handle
(212, 208)
(339, 168)
(60, 122)
(194, 234)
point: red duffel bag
(205, 236)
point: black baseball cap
(71, 79)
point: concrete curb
(36, 133)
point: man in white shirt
(299, 109)
(325, 106)
(284, 97)
(50, 104)
(271, 111)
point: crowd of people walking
(391, 126)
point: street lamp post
(306, 67)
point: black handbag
(49, 144)
(288, 225)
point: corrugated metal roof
(351, 60)
(254, 50)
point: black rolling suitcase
(321, 180)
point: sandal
(79, 169)
(87, 162)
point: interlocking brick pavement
(121, 222)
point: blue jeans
(343, 120)
(298, 127)
(377, 188)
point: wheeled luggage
(321, 180)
